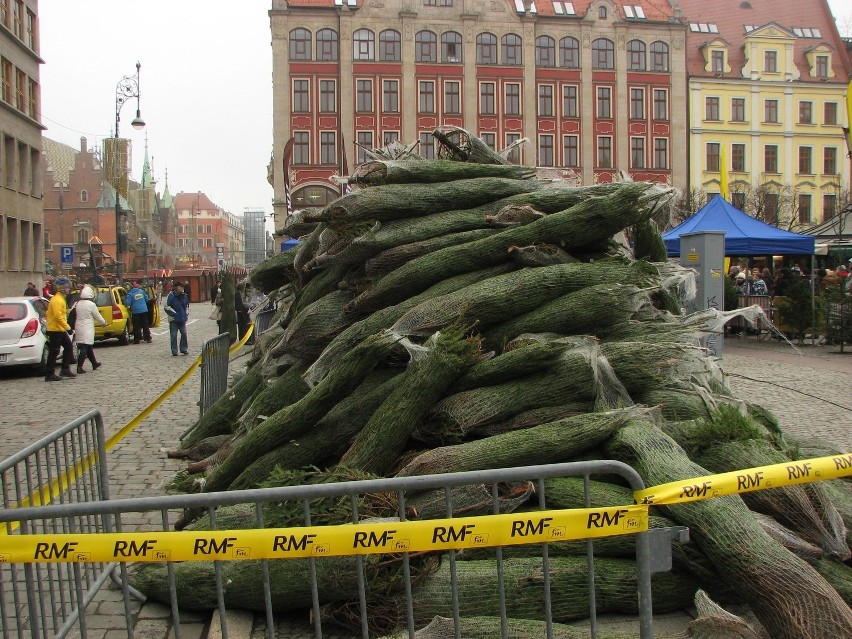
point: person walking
(177, 308)
(84, 328)
(31, 290)
(47, 290)
(217, 301)
(137, 300)
(242, 314)
(58, 333)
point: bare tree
(687, 204)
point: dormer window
(770, 61)
(821, 66)
(819, 61)
(602, 13)
(717, 61)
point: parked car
(110, 302)
(23, 332)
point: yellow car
(110, 302)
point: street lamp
(128, 87)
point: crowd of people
(67, 326)
(761, 281)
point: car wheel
(41, 367)
(124, 338)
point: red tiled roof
(654, 10)
(732, 16)
(313, 3)
(186, 201)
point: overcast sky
(206, 84)
(206, 87)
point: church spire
(147, 179)
(167, 197)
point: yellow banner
(746, 481)
(328, 541)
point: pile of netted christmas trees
(460, 314)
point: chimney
(83, 145)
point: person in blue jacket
(137, 300)
(177, 308)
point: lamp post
(128, 87)
(144, 242)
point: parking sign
(67, 254)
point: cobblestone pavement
(808, 390)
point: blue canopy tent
(744, 235)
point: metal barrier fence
(65, 468)
(428, 497)
(263, 320)
(214, 370)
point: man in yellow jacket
(58, 333)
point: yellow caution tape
(745, 481)
(329, 541)
(64, 481)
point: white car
(23, 332)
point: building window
(712, 156)
(390, 48)
(603, 54)
(365, 143)
(328, 147)
(569, 101)
(770, 208)
(209, 242)
(364, 96)
(82, 236)
(829, 207)
(301, 97)
(514, 156)
(427, 97)
(328, 96)
(513, 98)
(605, 152)
(389, 137)
(571, 151)
(770, 61)
(425, 47)
(300, 44)
(486, 48)
(738, 157)
(829, 113)
(738, 109)
(451, 47)
(487, 98)
(490, 140)
(711, 109)
(545, 150)
(511, 49)
(659, 56)
(805, 112)
(822, 66)
(717, 61)
(604, 102)
(635, 55)
(804, 208)
(770, 111)
(602, 13)
(829, 160)
(32, 40)
(637, 153)
(301, 148)
(661, 104)
(437, 3)
(545, 51)
(805, 160)
(569, 53)
(363, 45)
(545, 101)
(327, 45)
(738, 200)
(427, 145)
(7, 81)
(33, 99)
(452, 97)
(637, 104)
(390, 96)
(770, 158)
(21, 90)
(661, 153)
(84, 196)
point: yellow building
(767, 92)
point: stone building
(21, 219)
(596, 86)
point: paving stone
(151, 629)
(190, 631)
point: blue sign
(67, 254)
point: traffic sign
(66, 254)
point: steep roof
(729, 19)
(186, 202)
(60, 159)
(166, 199)
(648, 10)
